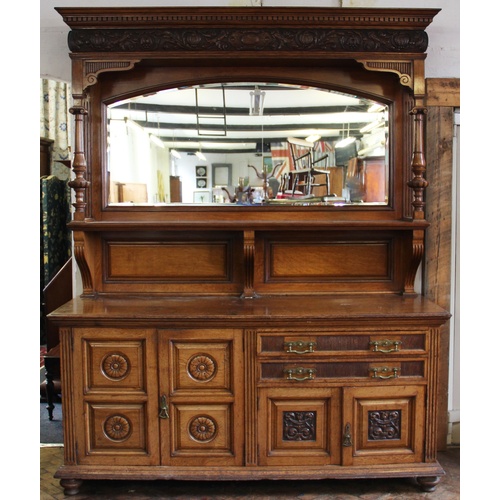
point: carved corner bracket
(81, 260)
(418, 248)
(404, 69)
(248, 265)
(92, 69)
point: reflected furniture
(306, 172)
(228, 342)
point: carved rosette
(203, 429)
(383, 425)
(202, 367)
(117, 428)
(115, 366)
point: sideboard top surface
(232, 311)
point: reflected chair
(307, 169)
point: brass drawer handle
(299, 347)
(385, 346)
(300, 374)
(385, 372)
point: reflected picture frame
(222, 174)
(201, 196)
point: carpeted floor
(51, 431)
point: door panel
(299, 427)
(116, 392)
(383, 425)
(201, 385)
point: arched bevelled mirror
(248, 143)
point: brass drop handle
(300, 374)
(347, 437)
(164, 407)
(299, 346)
(385, 346)
(385, 372)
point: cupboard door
(116, 395)
(299, 426)
(201, 388)
(383, 425)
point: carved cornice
(223, 17)
(248, 39)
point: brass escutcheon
(164, 407)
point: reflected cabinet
(248, 223)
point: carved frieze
(247, 39)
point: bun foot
(71, 486)
(428, 483)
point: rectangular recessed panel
(329, 260)
(117, 429)
(114, 365)
(168, 261)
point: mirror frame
(111, 46)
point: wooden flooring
(388, 489)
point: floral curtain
(55, 99)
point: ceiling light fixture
(345, 142)
(132, 124)
(372, 125)
(256, 102)
(313, 138)
(200, 155)
(376, 108)
(156, 140)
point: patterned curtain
(55, 194)
(55, 101)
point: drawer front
(326, 343)
(290, 372)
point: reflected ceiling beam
(353, 127)
(243, 111)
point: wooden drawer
(370, 370)
(365, 342)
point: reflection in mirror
(248, 144)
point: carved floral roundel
(202, 428)
(202, 367)
(117, 428)
(115, 366)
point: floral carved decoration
(202, 429)
(202, 367)
(115, 366)
(117, 428)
